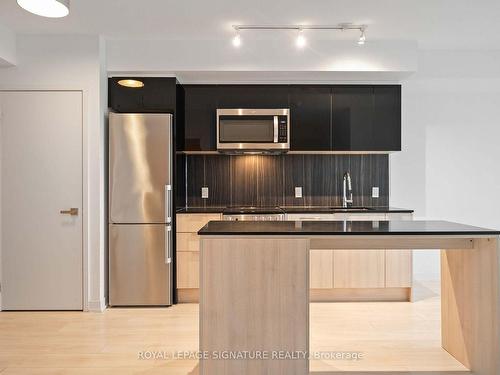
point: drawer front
(400, 216)
(194, 222)
(359, 217)
(188, 269)
(188, 242)
(305, 217)
(339, 216)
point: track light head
(237, 39)
(362, 37)
(301, 39)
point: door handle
(168, 203)
(168, 244)
(72, 211)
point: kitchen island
(254, 284)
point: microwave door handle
(275, 140)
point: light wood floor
(394, 338)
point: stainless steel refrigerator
(140, 209)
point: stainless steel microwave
(253, 130)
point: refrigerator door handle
(168, 244)
(168, 203)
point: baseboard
(329, 295)
(97, 305)
(188, 295)
(360, 295)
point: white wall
(448, 169)
(74, 62)
(8, 56)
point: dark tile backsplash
(261, 180)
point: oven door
(239, 129)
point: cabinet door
(321, 269)
(188, 269)
(200, 117)
(192, 223)
(358, 268)
(398, 268)
(386, 131)
(253, 96)
(399, 263)
(157, 95)
(310, 123)
(352, 118)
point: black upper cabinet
(386, 127)
(253, 96)
(352, 118)
(323, 117)
(157, 95)
(200, 117)
(366, 118)
(310, 110)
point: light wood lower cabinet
(334, 274)
(359, 274)
(188, 254)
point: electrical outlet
(298, 191)
(375, 192)
(204, 192)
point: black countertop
(300, 209)
(349, 228)
(199, 210)
(325, 210)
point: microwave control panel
(282, 129)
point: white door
(41, 175)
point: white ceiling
(443, 24)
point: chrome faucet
(347, 190)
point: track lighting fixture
(301, 40)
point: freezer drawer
(140, 271)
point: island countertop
(349, 228)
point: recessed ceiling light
(46, 8)
(133, 83)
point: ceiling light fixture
(237, 38)
(132, 83)
(362, 38)
(301, 40)
(46, 8)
